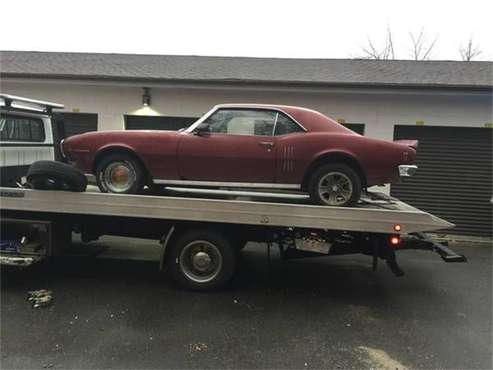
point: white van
(26, 135)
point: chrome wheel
(335, 188)
(201, 261)
(119, 177)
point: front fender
(111, 148)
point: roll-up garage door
(78, 123)
(454, 178)
(359, 128)
(157, 122)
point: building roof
(325, 72)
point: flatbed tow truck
(201, 237)
(202, 232)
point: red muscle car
(246, 146)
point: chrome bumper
(407, 170)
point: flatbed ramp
(376, 214)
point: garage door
(454, 176)
(78, 123)
(157, 122)
(359, 128)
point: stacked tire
(52, 175)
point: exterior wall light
(146, 97)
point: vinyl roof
(196, 69)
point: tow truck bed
(200, 236)
(378, 214)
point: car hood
(121, 135)
(133, 138)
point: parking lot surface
(310, 313)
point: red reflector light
(397, 227)
(395, 240)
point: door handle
(268, 144)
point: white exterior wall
(378, 109)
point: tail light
(395, 240)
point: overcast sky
(300, 29)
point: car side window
(27, 129)
(242, 122)
(286, 125)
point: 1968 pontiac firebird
(246, 146)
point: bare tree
(380, 53)
(421, 47)
(470, 51)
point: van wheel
(201, 260)
(335, 185)
(51, 175)
(119, 173)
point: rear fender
(335, 156)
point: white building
(446, 105)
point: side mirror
(202, 130)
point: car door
(293, 150)
(237, 147)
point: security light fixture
(146, 97)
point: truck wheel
(335, 185)
(51, 175)
(201, 260)
(119, 173)
(241, 243)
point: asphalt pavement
(330, 312)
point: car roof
(262, 106)
(308, 119)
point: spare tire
(51, 175)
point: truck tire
(51, 175)
(240, 242)
(336, 185)
(201, 260)
(120, 173)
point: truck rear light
(395, 240)
(397, 227)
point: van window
(13, 128)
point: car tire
(336, 185)
(51, 175)
(120, 173)
(201, 260)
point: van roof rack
(13, 101)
